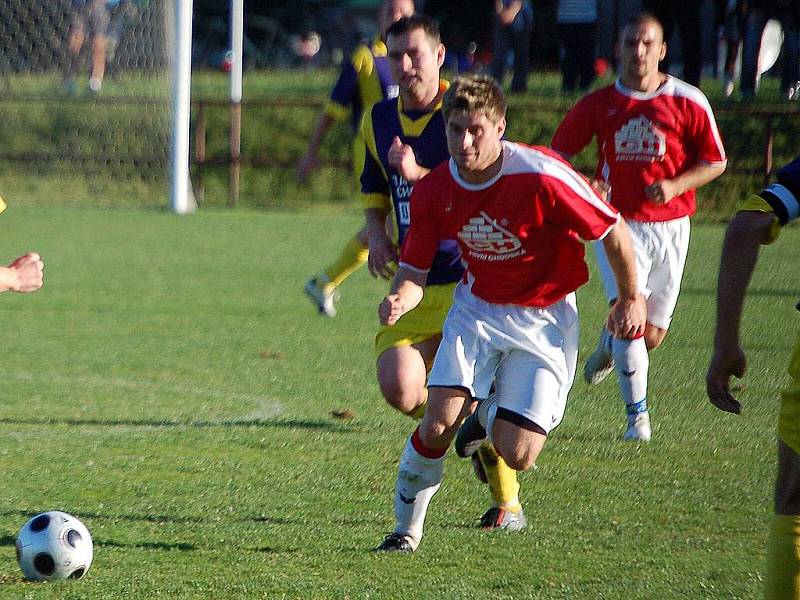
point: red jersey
(644, 138)
(519, 233)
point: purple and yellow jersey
(364, 80)
(783, 199)
(384, 188)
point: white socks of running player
(631, 363)
(418, 479)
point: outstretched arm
(746, 232)
(406, 294)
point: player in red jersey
(657, 141)
(519, 214)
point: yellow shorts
(789, 418)
(422, 323)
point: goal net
(85, 101)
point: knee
(519, 458)
(653, 337)
(520, 461)
(435, 433)
(401, 397)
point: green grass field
(172, 387)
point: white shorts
(661, 250)
(528, 353)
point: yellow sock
(783, 558)
(502, 478)
(353, 256)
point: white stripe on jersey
(686, 90)
(522, 159)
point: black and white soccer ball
(54, 545)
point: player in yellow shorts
(365, 79)
(758, 222)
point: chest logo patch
(484, 237)
(639, 140)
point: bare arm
(665, 190)
(745, 234)
(23, 275)
(382, 251)
(407, 290)
(310, 160)
(628, 316)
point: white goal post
(181, 197)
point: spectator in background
(90, 19)
(687, 16)
(758, 12)
(513, 28)
(577, 30)
(612, 15)
(733, 26)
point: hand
(662, 191)
(627, 318)
(390, 310)
(723, 365)
(28, 270)
(601, 188)
(382, 256)
(308, 163)
(401, 157)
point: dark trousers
(687, 16)
(579, 41)
(505, 41)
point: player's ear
(501, 127)
(663, 52)
(440, 52)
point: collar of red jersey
(637, 95)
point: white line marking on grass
(265, 407)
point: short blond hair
(472, 94)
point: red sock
(423, 450)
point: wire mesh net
(84, 94)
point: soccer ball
(54, 545)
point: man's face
(415, 61)
(642, 49)
(473, 140)
(394, 10)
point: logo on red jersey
(487, 240)
(639, 140)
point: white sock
(418, 479)
(631, 362)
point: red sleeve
(574, 205)
(422, 237)
(705, 134)
(576, 130)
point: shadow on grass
(7, 540)
(286, 424)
